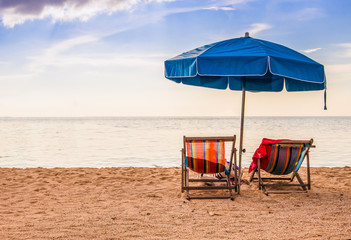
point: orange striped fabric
(205, 156)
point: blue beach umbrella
(247, 64)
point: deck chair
(206, 155)
(281, 157)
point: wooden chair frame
(286, 143)
(186, 180)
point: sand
(146, 203)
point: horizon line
(172, 116)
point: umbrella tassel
(325, 99)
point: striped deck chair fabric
(284, 160)
(205, 156)
(281, 157)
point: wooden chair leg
(253, 174)
(264, 190)
(183, 170)
(187, 183)
(308, 172)
(230, 190)
(300, 181)
(182, 188)
(260, 183)
(235, 172)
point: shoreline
(146, 203)
(155, 167)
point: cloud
(339, 68)
(346, 49)
(338, 74)
(347, 45)
(220, 8)
(62, 55)
(309, 14)
(97, 60)
(258, 27)
(311, 50)
(14, 84)
(18, 11)
(51, 55)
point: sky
(78, 58)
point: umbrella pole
(241, 131)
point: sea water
(156, 141)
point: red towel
(262, 152)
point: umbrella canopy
(246, 64)
(264, 65)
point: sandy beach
(146, 203)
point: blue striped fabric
(284, 160)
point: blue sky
(105, 58)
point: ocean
(156, 141)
